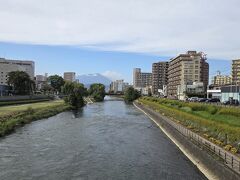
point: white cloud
(112, 75)
(164, 27)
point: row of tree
(22, 84)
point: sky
(111, 37)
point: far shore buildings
(118, 86)
(69, 76)
(187, 69)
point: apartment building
(159, 77)
(118, 86)
(7, 66)
(69, 76)
(141, 79)
(222, 80)
(185, 69)
(236, 71)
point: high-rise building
(236, 72)
(159, 77)
(184, 70)
(7, 66)
(69, 76)
(141, 79)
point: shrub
(230, 111)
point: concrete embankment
(210, 165)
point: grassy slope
(14, 116)
(213, 120)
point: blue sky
(112, 37)
(57, 59)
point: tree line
(73, 92)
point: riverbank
(217, 124)
(190, 144)
(12, 117)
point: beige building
(159, 77)
(69, 76)
(141, 79)
(184, 70)
(7, 66)
(222, 80)
(236, 72)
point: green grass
(14, 116)
(213, 120)
(7, 103)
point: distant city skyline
(113, 37)
(114, 65)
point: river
(105, 141)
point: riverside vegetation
(131, 94)
(14, 116)
(220, 125)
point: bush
(131, 94)
(230, 111)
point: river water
(109, 140)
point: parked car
(193, 99)
(213, 100)
(233, 102)
(202, 99)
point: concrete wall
(209, 164)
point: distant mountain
(88, 79)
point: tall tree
(56, 82)
(75, 93)
(21, 82)
(131, 94)
(97, 91)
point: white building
(195, 88)
(7, 66)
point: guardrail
(231, 160)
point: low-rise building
(231, 92)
